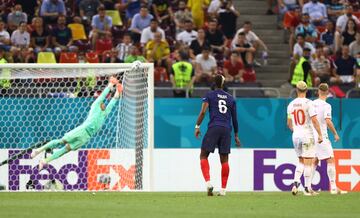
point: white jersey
(300, 111)
(323, 110)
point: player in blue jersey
(222, 111)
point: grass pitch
(117, 204)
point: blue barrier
(262, 122)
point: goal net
(39, 103)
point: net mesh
(42, 104)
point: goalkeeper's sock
(52, 144)
(307, 176)
(224, 174)
(57, 154)
(205, 169)
(298, 172)
(331, 171)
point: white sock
(208, 184)
(298, 172)
(331, 171)
(313, 170)
(307, 175)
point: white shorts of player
(304, 146)
(324, 150)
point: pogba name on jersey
(222, 96)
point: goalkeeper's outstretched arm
(115, 99)
(112, 81)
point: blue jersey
(222, 109)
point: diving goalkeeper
(79, 136)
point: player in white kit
(324, 150)
(301, 120)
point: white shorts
(324, 150)
(304, 146)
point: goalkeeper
(79, 136)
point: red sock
(224, 174)
(205, 168)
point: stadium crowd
(324, 41)
(165, 32)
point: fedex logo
(348, 175)
(87, 170)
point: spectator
(181, 16)
(245, 50)
(300, 46)
(122, 50)
(16, 17)
(88, 9)
(317, 12)
(62, 38)
(306, 29)
(197, 10)
(148, 33)
(348, 36)
(328, 36)
(101, 26)
(345, 66)
(197, 45)
(214, 8)
(355, 45)
(5, 39)
(21, 40)
(188, 35)
(182, 75)
(234, 68)
(301, 70)
(139, 22)
(131, 8)
(40, 37)
(285, 6)
(227, 19)
(134, 55)
(51, 9)
(157, 51)
(269, 10)
(215, 37)
(334, 10)
(343, 19)
(321, 67)
(250, 37)
(29, 7)
(162, 11)
(205, 66)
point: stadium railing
(250, 92)
(349, 93)
(312, 92)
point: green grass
(117, 204)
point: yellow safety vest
(299, 74)
(182, 73)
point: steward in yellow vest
(302, 71)
(182, 75)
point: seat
(92, 57)
(68, 57)
(103, 45)
(77, 31)
(46, 58)
(357, 14)
(115, 16)
(160, 74)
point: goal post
(41, 102)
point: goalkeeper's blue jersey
(97, 117)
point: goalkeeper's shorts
(76, 137)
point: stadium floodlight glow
(41, 102)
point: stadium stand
(97, 29)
